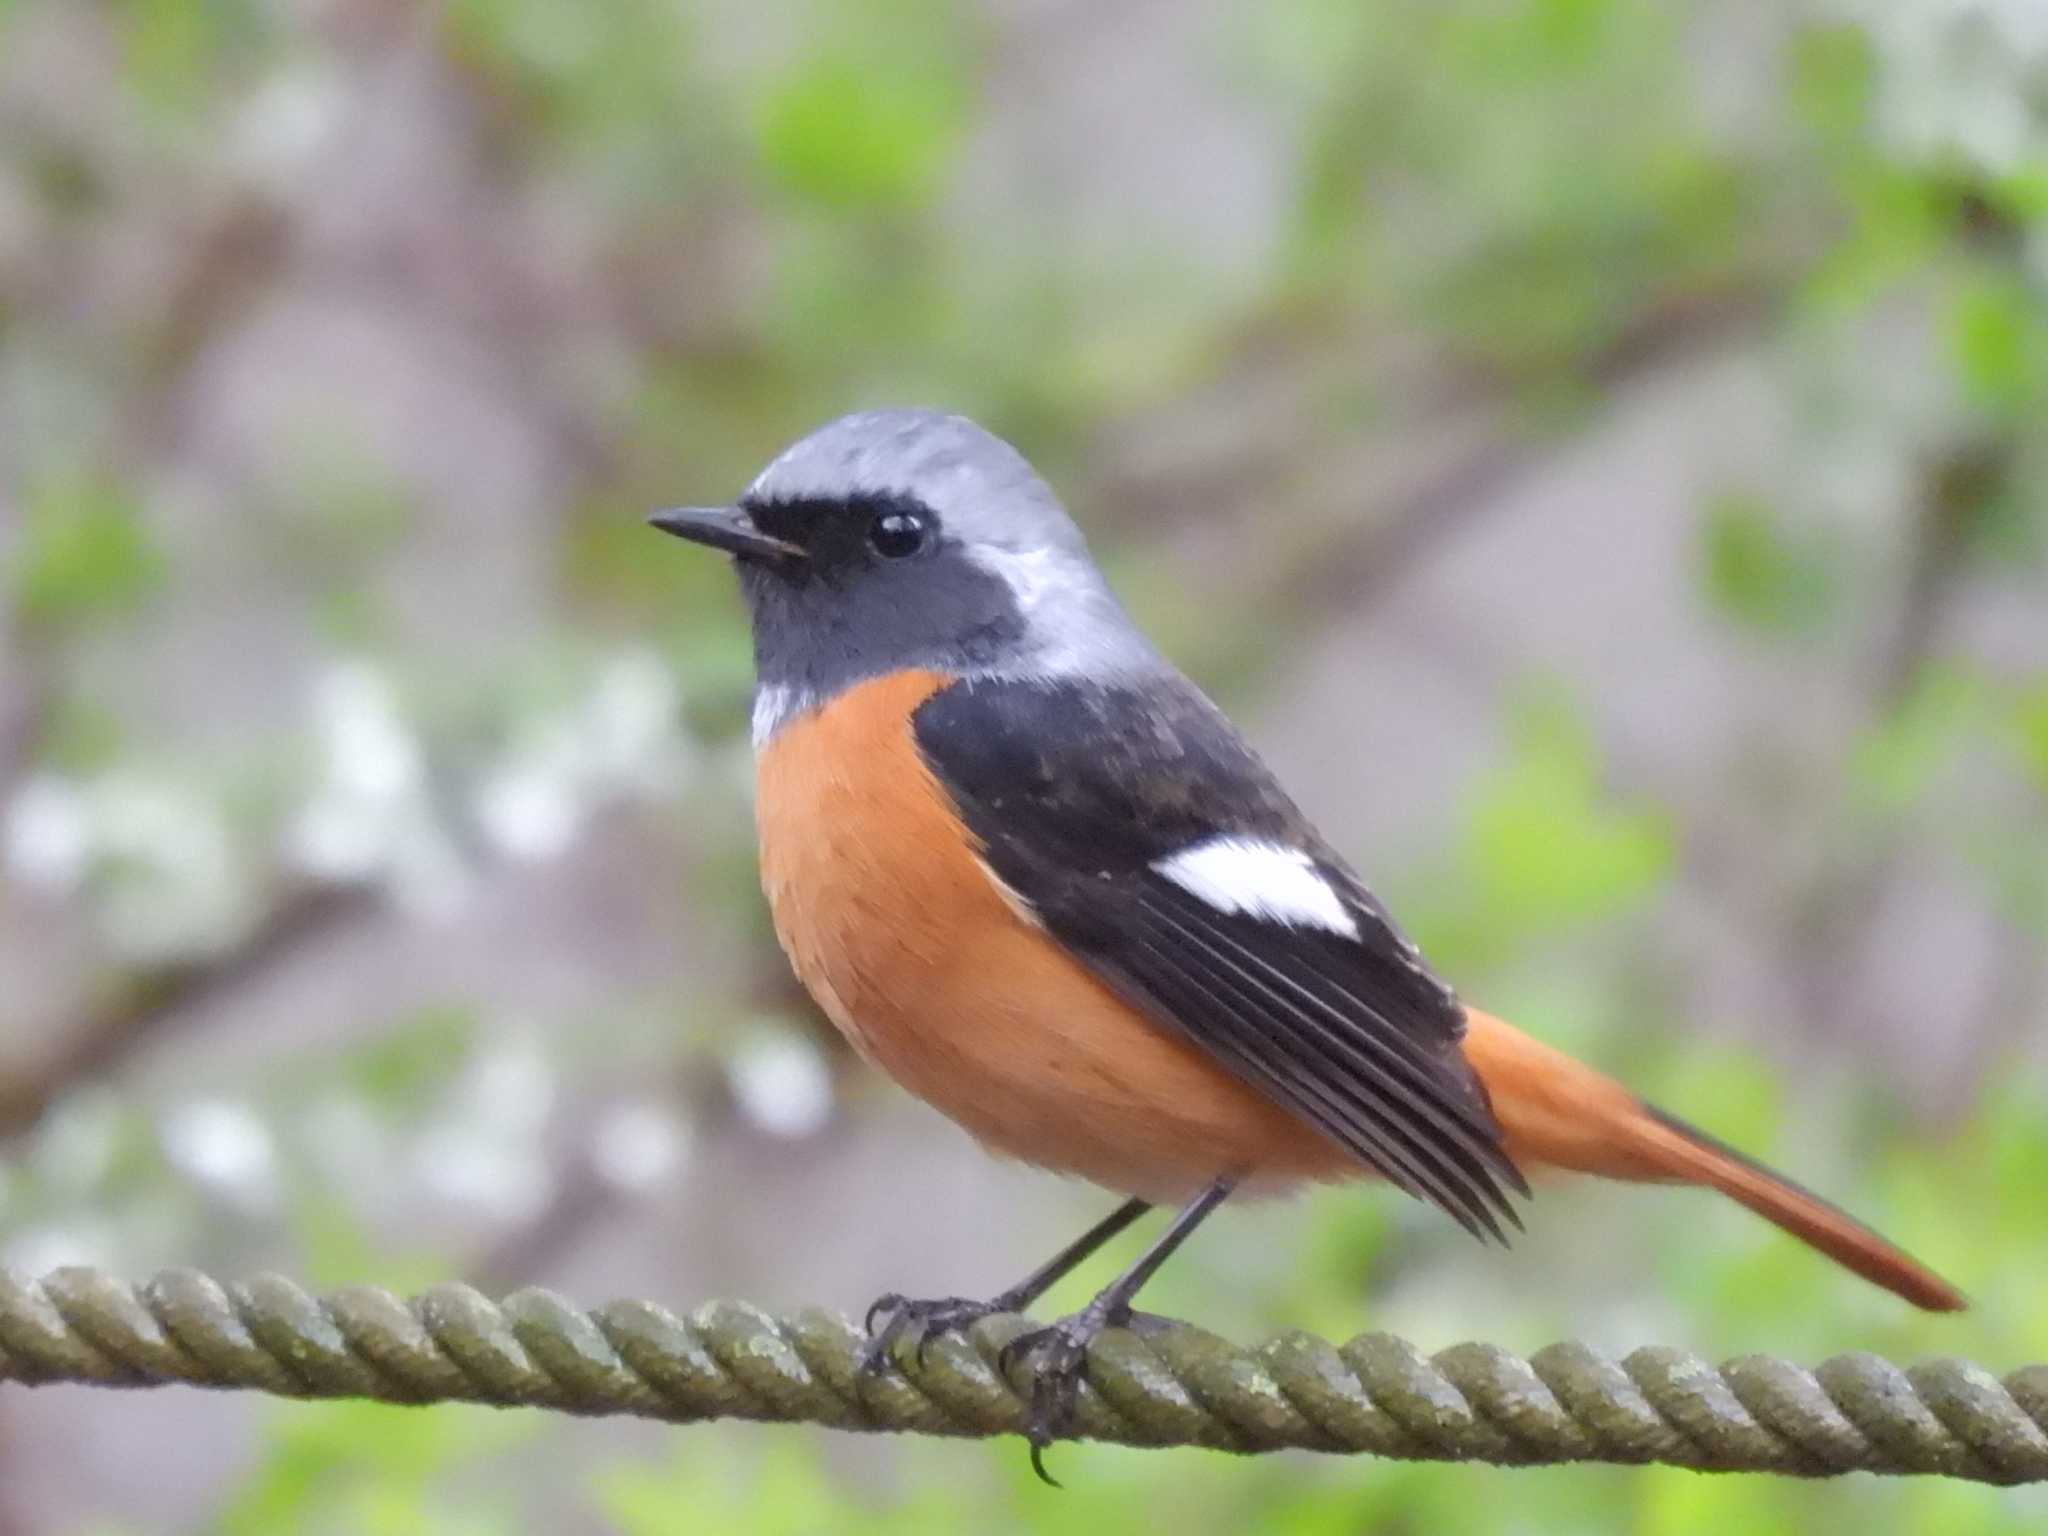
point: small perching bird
(1035, 875)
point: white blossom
(226, 1146)
(782, 1084)
(372, 816)
(638, 1146)
(621, 738)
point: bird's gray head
(910, 539)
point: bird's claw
(1057, 1354)
(1058, 1358)
(921, 1321)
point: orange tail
(1561, 1114)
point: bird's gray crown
(1010, 590)
(983, 490)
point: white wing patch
(1263, 880)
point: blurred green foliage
(1762, 575)
(1545, 849)
(82, 557)
(355, 1469)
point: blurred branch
(12, 1521)
(1361, 567)
(234, 256)
(1957, 486)
(145, 1007)
(223, 269)
(583, 1197)
(24, 711)
(1258, 443)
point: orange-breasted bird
(1038, 878)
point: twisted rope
(1376, 1394)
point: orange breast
(911, 947)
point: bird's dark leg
(924, 1320)
(1059, 1354)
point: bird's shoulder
(1080, 791)
(1118, 770)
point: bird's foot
(896, 1317)
(1058, 1357)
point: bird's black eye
(897, 535)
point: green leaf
(1905, 753)
(82, 736)
(845, 134)
(1996, 337)
(1544, 848)
(416, 1058)
(174, 52)
(1546, 844)
(784, 1491)
(1834, 83)
(1762, 576)
(369, 1468)
(84, 556)
(1684, 1505)
(2030, 722)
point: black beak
(729, 529)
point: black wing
(1079, 794)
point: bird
(1035, 875)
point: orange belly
(913, 950)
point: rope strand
(1377, 1394)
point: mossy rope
(1376, 1395)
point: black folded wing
(1083, 799)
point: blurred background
(1596, 449)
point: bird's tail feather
(1559, 1113)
